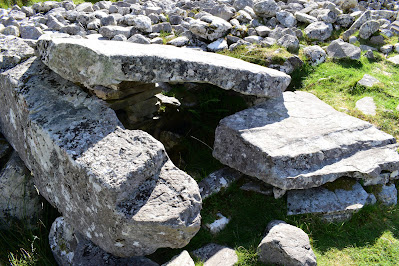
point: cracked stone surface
(297, 142)
(108, 63)
(116, 187)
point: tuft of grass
(22, 246)
(335, 82)
(259, 55)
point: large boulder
(342, 50)
(286, 244)
(109, 63)
(298, 142)
(116, 187)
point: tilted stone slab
(116, 187)
(297, 142)
(108, 63)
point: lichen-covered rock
(368, 29)
(286, 244)
(342, 50)
(336, 204)
(218, 180)
(318, 31)
(210, 27)
(116, 187)
(70, 248)
(109, 63)
(286, 19)
(13, 51)
(291, 43)
(388, 195)
(30, 32)
(19, 199)
(298, 141)
(265, 8)
(315, 54)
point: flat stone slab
(108, 63)
(297, 142)
(368, 81)
(367, 106)
(336, 205)
(116, 187)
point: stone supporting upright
(116, 187)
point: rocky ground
(295, 144)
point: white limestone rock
(367, 106)
(318, 31)
(183, 259)
(108, 63)
(213, 254)
(388, 195)
(210, 27)
(335, 205)
(298, 142)
(315, 54)
(342, 50)
(286, 244)
(368, 81)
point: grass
(24, 246)
(370, 237)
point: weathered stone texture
(72, 249)
(108, 63)
(286, 244)
(298, 141)
(116, 187)
(18, 198)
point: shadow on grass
(364, 229)
(249, 213)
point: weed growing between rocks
(24, 246)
